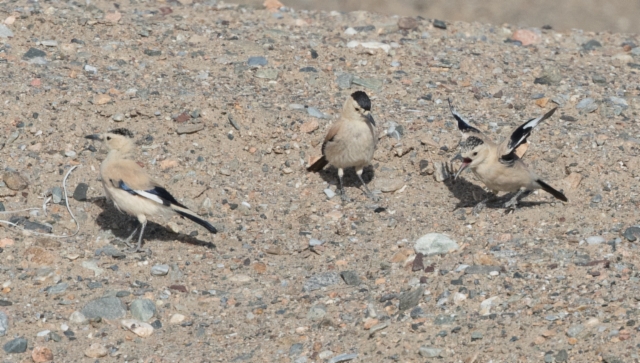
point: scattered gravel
(229, 103)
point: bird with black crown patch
(132, 190)
(351, 141)
(499, 166)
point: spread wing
(518, 139)
(463, 124)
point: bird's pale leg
(513, 202)
(143, 223)
(343, 193)
(367, 191)
(126, 241)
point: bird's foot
(511, 204)
(344, 197)
(479, 207)
(372, 196)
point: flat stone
(562, 356)
(77, 317)
(344, 80)
(410, 299)
(4, 324)
(267, 73)
(57, 289)
(152, 52)
(481, 270)
(17, 345)
(575, 330)
(371, 83)
(429, 352)
(257, 61)
(93, 266)
(407, 23)
(444, 319)
(321, 280)
(388, 185)
(314, 112)
(139, 328)
(80, 193)
(106, 307)
(343, 357)
(142, 309)
(632, 234)
(549, 76)
(160, 270)
(34, 53)
(587, 105)
(435, 244)
(317, 312)
(109, 250)
(476, 335)
(350, 278)
(56, 195)
(595, 240)
(14, 181)
(189, 128)
(96, 350)
(5, 32)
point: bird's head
(118, 139)
(473, 151)
(359, 104)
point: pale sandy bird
(351, 141)
(132, 190)
(498, 166)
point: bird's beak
(465, 164)
(370, 118)
(94, 137)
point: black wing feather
(165, 196)
(520, 135)
(463, 125)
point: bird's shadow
(111, 216)
(469, 194)
(349, 179)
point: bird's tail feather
(318, 165)
(186, 213)
(547, 188)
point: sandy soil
(549, 282)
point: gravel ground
(228, 104)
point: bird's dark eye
(357, 109)
(108, 137)
(475, 153)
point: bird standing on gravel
(351, 141)
(132, 190)
(499, 166)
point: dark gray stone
(350, 278)
(591, 45)
(17, 345)
(153, 52)
(106, 307)
(632, 234)
(562, 356)
(319, 281)
(439, 24)
(410, 299)
(34, 53)
(80, 194)
(32, 226)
